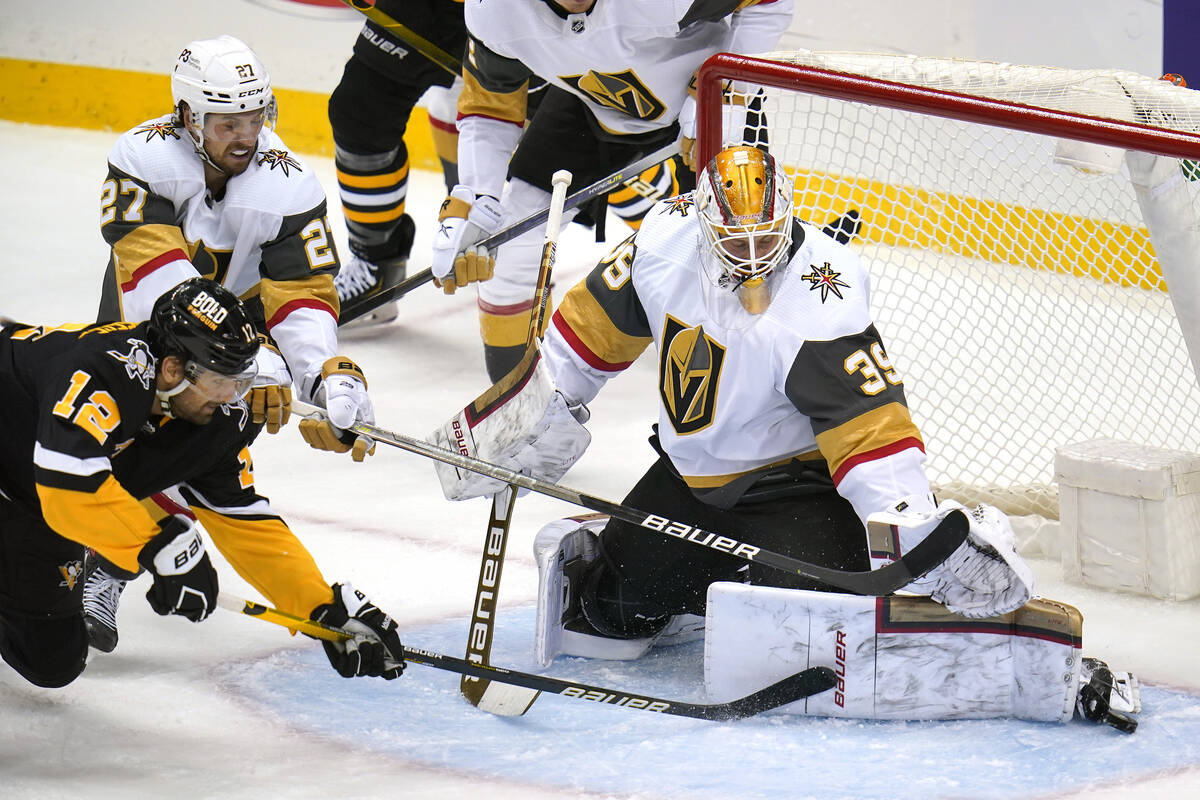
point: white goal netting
(1014, 279)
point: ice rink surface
(234, 708)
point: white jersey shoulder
(277, 185)
(162, 155)
(627, 59)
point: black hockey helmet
(202, 322)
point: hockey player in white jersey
(211, 190)
(619, 72)
(783, 424)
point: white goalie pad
(895, 657)
(562, 549)
(522, 423)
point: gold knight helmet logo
(689, 374)
(623, 91)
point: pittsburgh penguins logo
(70, 571)
(278, 158)
(689, 373)
(139, 362)
(622, 91)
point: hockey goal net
(1009, 216)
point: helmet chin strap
(164, 397)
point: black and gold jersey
(85, 452)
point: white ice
(235, 708)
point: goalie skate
(1107, 696)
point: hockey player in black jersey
(104, 418)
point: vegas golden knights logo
(689, 373)
(623, 91)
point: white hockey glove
(733, 122)
(185, 582)
(341, 389)
(270, 397)
(465, 220)
(533, 432)
(984, 577)
(375, 651)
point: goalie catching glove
(374, 649)
(341, 389)
(532, 431)
(984, 577)
(270, 397)
(466, 220)
(185, 582)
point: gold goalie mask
(744, 201)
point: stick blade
(806, 683)
(501, 699)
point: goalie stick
(597, 189)
(933, 549)
(805, 683)
(501, 698)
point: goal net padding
(1032, 235)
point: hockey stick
(500, 698)
(407, 35)
(597, 189)
(806, 683)
(933, 549)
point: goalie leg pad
(895, 657)
(563, 550)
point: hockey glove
(984, 577)
(185, 582)
(271, 395)
(465, 220)
(733, 123)
(532, 431)
(375, 648)
(341, 390)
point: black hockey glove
(185, 582)
(375, 650)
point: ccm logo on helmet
(208, 310)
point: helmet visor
(243, 126)
(218, 387)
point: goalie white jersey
(808, 380)
(266, 238)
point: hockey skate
(371, 269)
(101, 596)
(1106, 696)
(563, 550)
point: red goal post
(722, 67)
(1032, 286)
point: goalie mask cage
(1012, 253)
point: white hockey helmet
(221, 76)
(744, 201)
